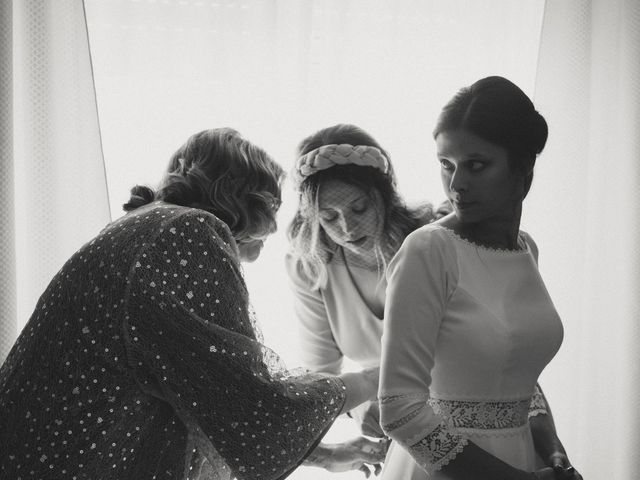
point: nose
(458, 181)
(348, 223)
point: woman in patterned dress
(142, 359)
(469, 324)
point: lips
(463, 205)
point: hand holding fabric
(367, 416)
(561, 470)
(357, 454)
(562, 467)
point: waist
(482, 415)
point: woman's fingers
(372, 451)
(562, 467)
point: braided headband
(328, 156)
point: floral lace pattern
(438, 448)
(446, 441)
(482, 415)
(538, 405)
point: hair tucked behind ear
(219, 171)
(498, 111)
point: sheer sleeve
(193, 343)
(420, 278)
(319, 351)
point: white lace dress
(467, 332)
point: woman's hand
(562, 467)
(444, 209)
(356, 454)
(367, 416)
(549, 446)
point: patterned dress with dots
(142, 360)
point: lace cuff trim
(538, 405)
(438, 448)
(388, 427)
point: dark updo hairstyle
(219, 171)
(311, 247)
(498, 111)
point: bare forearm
(543, 431)
(318, 456)
(360, 387)
(545, 438)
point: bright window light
(279, 70)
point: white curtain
(585, 211)
(53, 193)
(8, 325)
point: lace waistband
(482, 415)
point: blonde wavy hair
(310, 246)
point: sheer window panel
(53, 186)
(278, 71)
(583, 208)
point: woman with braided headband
(350, 221)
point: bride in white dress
(469, 324)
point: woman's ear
(527, 179)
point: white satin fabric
(467, 332)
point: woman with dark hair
(350, 221)
(469, 324)
(142, 358)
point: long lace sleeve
(193, 343)
(420, 279)
(319, 350)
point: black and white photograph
(319, 239)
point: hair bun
(140, 195)
(539, 132)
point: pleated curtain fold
(585, 210)
(53, 194)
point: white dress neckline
(523, 246)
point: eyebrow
(469, 157)
(364, 196)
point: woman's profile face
(350, 216)
(477, 177)
(249, 250)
